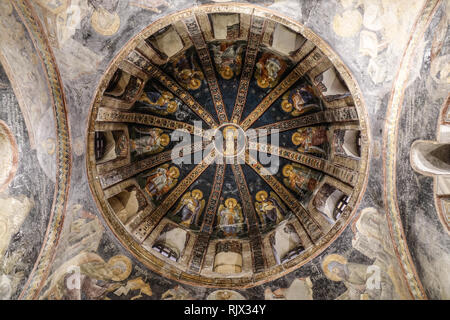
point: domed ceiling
(227, 146)
(113, 94)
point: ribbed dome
(278, 155)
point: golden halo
(286, 106)
(297, 138)
(49, 145)
(174, 172)
(194, 84)
(164, 139)
(227, 73)
(185, 74)
(230, 203)
(232, 129)
(172, 107)
(197, 194)
(105, 23)
(286, 170)
(332, 258)
(262, 83)
(121, 267)
(167, 95)
(261, 195)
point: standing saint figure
(310, 139)
(270, 209)
(269, 70)
(230, 217)
(162, 103)
(228, 59)
(161, 180)
(190, 207)
(187, 72)
(363, 282)
(230, 135)
(153, 140)
(298, 178)
(299, 100)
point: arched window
(171, 242)
(110, 145)
(330, 202)
(127, 203)
(286, 243)
(347, 142)
(165, 251)
(331, 85)
(123, 86)
(228, 259)
(430, 158)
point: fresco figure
(310, 139)
(177, 293)
(269, 70)
(153, 140)
(270, 208)
(161, 180)
(299, 100)
(137, 284)
(96, 277)
(356, 278)
(187, 72)
(190, 207)
(230, 217)
(230, 139)
(13, 212)
(228, 59)
(162, 103)
(298, 178)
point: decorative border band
(390, 151)
(42, 265)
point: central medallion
(230, 140)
